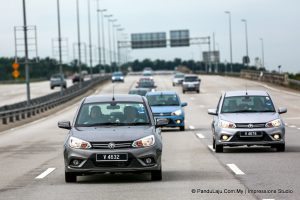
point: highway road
(32, 164)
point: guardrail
(20, 111)
(279, 79)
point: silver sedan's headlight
(177, 112)
(274, 123)
(77, 143)
(144, 142)
(226, 124)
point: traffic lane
(183, 171)
(26, 148)
(262, 164)
(14, 93)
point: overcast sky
(276, 21)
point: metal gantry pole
(59, 47)
(79, 44)
(90, 38)
(262, 52)
(230, 39)
(26, 54)
(246, 37)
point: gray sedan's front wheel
(156, 175)
(70, 177)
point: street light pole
(114, 42)
(246, 35)
(262, 52)
(59, 47)
(119, 50)
(230, 38)
(109, 40)
(103, 34)
(79, 44)
(90, 38)
(26, 54)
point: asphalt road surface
(32, 167)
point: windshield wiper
(137, 124)
(101, 124)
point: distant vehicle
(117, 77)
(178, 79)
(148, 73)
(247, 118)
(76, 78)
(57, 80)
(167, 105)
(146, 83)
(139, 91)
(113, 135)
(191, 83)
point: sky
(277, 22)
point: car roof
(118, 97)
(161, 92)
(246, 92)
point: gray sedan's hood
(249, 117)
(110, 134)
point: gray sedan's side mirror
(282, 110)
(64, 125)
(184, 104)
(161, 122)
(212, 112)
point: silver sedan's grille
(111, 145)
(250, 125)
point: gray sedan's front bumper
(135, 163)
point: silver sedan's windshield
(116, 114)
(238, 104)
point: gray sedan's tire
(214, 143)
(280, 147)
(156, 175)
(219, 148)
(70, 177)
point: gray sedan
(113, 134)
(247, 118)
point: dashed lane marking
(211, 148)
(292, 126)
(45, 173)
(192, 127)
(235, 169)
(199, 135)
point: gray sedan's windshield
(238, 104)
(121, 114)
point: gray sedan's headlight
(274, 123)
(144, 142)
(226, 124)
(77, 143)
(177, 112)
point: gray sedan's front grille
(161, 114)
(111, 145)
(250, 125)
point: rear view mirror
(212, 112)
(184, 104)
(282, 110)
(64, 124)
(113, 107)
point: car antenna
(246, 89)
(113, 98)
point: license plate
(251, 134)
(112, 157)
(190, 86)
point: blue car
(167, 104)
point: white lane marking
(192, 127)
(192, 98)
(268, 199)
(211, 148)
(199, 135)
(202, 106)
(286, 92)
(292, 126)
(45, 173)
(235, 169)
(286, 124)
(292, 118)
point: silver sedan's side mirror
(282, 110)
(212, 112)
